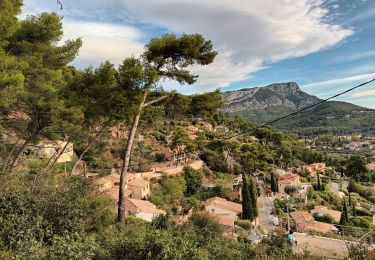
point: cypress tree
(273, 183)
(319, 185)
(354, 212)
(344, 214)
(350, 199)
(246, 200)
(254, 197)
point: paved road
(265, 206)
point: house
(225, 222)
(140, 188)
(222, 207)
(136, 188)
(304, 222)
(290, 179)
(142, 209)
(314, 168)
(371, 166)
(321, 211)
(48, 149)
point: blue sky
(323, 45)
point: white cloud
(364, 93)
(249, 34)
(362, 77)
(103, 41)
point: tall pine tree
(247, 212)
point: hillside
(266, 103)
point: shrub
(323, 218)
(245, 224)
(160, 157)
(290, 189)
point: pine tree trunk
(23, 148)
(125, 164)
(9, 157)
(87, 148)
(61, 151)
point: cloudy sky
(324, 45)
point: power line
(274, 120)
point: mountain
(263, 104)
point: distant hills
(263, 104)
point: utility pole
(287, 213)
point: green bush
(245, 224)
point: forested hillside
(276, 100)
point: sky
(326, 46)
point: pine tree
(273, 183)
(253, 197)
(344, 214)
(247, 212)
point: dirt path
(322, 246)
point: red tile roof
(223, 204)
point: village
(308, 199)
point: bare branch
(154, 101)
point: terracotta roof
(223, 204)
(336, 215)
(317, 226)
(113, 192)
(223, 220)
(138, 182)
(290, 177)
(145, 206)
(301, 216)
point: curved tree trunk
(19, 154)
(87, 148)
(23, 148)
(125, 164)
(9, 157)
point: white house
(222, 207)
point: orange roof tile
(223, 204)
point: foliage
(344, 219)
(245, 224)
(290, 189)
(193, 180)
(170, 194)
(356, 168)
(323, 218)
(247, 212)
(358, 251)
(274, 186)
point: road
(265, 206)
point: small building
(222, 207)
(140, 188)
(48, 149)
(322, 210)
(142, 209)
(288, 180)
